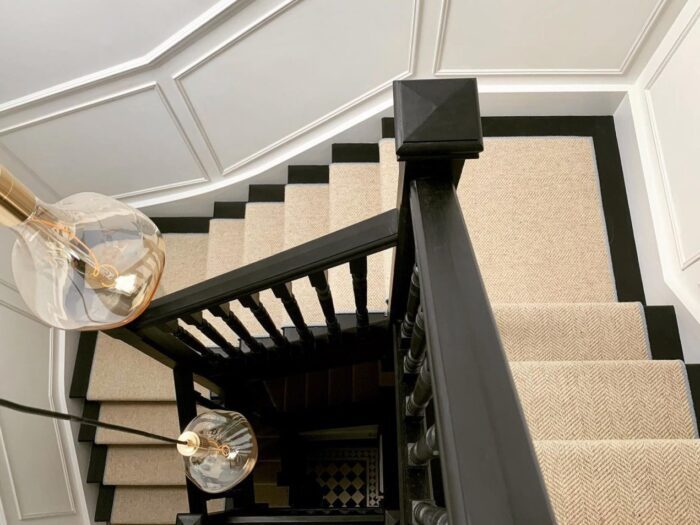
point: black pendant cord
(85, 421)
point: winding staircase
(344, 314)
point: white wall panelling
(664, 117)
(247, 84)
(97, 145)
(103, 43)
(38, 471)
(674, 112)
(280, 93)
(541, 37)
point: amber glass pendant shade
(221, 450)
(87, 262)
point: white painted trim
(179, 76)
(59, 396)
(226, 44)
(438, 71)
(386, 86)
(148, 60)
(248, 30)
(59, 439)
(147, 87)
(9, 285)
(685, 260)
(383, 102)
(3, 516)
(79, 107)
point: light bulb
(87, 262)
(221, 450)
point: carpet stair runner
(614, 431)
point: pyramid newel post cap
(188, 519)
(437, 119)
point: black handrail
(489, 470)
(364, 238)
(157, 334)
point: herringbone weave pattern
(533, 210)
(572, 332)
(622, 482)
(605, 399)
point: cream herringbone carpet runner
(614, 431)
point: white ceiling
(543, 36)
(52, 42)
(155, 101)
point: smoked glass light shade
(87, 262)
(221, 450)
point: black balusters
(320, 283)
(197, 320)
(284, 293)
(253, 303)
(182, 335)
(224, 312)
(358, 270)
(416, 352)
(489, 470)
(425, 449)
(422, 393)
(425, 513)
(411, 305)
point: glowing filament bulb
(88, 262)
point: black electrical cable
(85, 421)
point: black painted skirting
(662, 327)
(105, 500)
(83, 365)
(80, 382)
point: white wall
(659, 132)
(40, 479)
(213, 94)
(656, 288)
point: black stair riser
(388, 131)
(266, 193)
(307, 175)
(355, 153)
(229, 210)
(182, 224)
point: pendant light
(219, 447)
(221, 450)
(87, 262)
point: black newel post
(489, 470)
